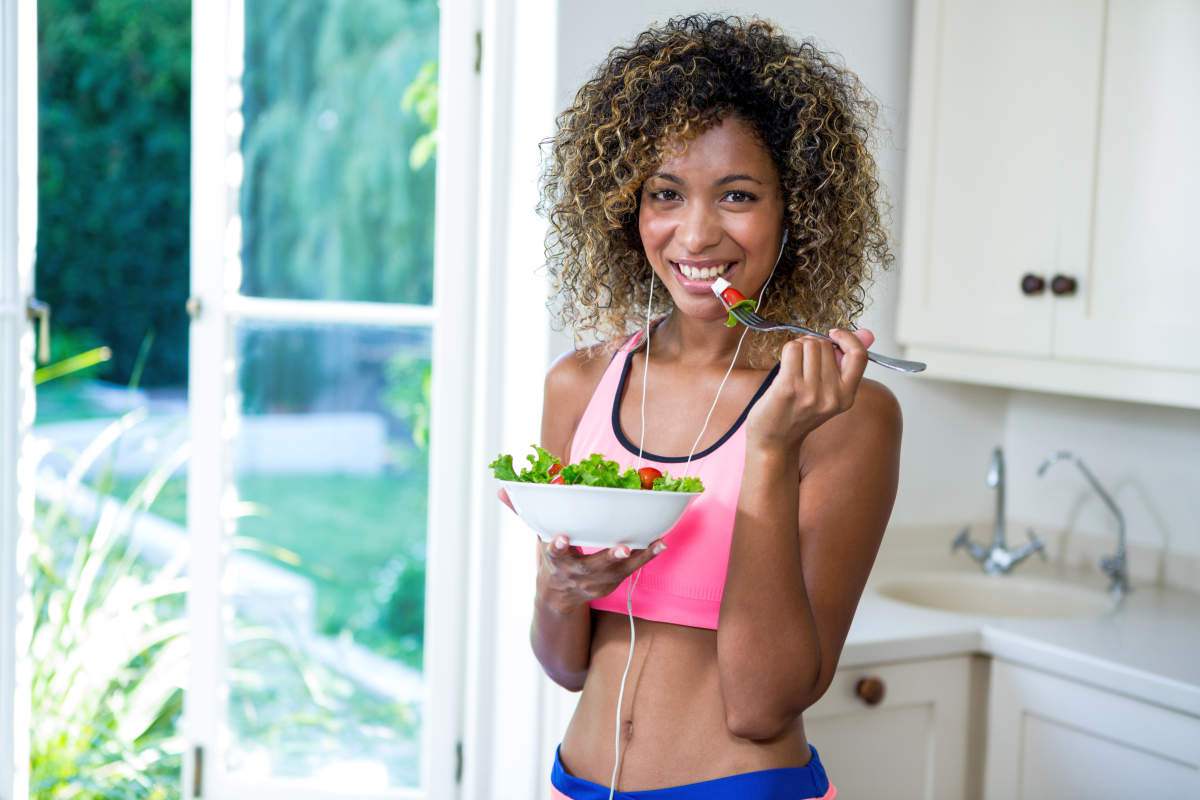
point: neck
(696, 344)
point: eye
(749, 197)
(656, 196)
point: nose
(699, 229)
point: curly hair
(643, 104)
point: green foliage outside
(112, 251)
(370, 584)
(332, 205)
(340, 114)
(109, 659)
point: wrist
(555, 602)
(772, 456)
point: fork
(753, 320)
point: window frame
(217, 43)
(18, 236)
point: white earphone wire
(641, 442)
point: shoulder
(876, 404)
(571, 380)
(576, 370)
(872, 426)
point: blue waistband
(782, 783)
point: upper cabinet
(1052, 188)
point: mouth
(701, 280)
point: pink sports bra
(684, 584)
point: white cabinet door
(911, 744)
(999, 180)
(1136, 301)
(1053, 738)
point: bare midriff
(673, 720)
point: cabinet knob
(1033, 284)
(1063, 285)
(870, 690)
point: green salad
(595, 470)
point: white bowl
(597, 516)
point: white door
(18, 228)
(909, 740)
(328, 393)
(982, 218)
(1134, 300)
(1052, 737)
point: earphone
(641, 441)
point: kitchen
(1030, 628)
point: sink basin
(995, 595)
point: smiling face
(715, 210)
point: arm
(561, 634)
(795, 579)
(561, 631)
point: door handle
(39, 312)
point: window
(325, 395)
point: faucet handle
(1036, 543)
(1024, 551)
(1116, 568)
(963, 540)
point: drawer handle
(870, 690)
(1063, 285)
(1032, 284)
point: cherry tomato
(555, 468)
(648, 475)
(731, 295)
(557, 479)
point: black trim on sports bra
(631, 447)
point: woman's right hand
(568, 579)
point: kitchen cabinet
(1051, 186)
(1052, 737)
(900, 729)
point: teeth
(691, 273)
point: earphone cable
(641, 442)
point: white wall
(1147, 457)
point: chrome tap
(998, 558)
(1115, 566)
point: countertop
(1148, 647)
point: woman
(713, 146)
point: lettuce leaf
(595, 470)
(731, 321)
(502, 468)
(538, 470)
(687, 483)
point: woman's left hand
(816, 381)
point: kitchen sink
(995, 595)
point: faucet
(998, 559)
(1114, 566)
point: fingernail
(560, 543)
(622, 552)
(658, 548)
(832, 331)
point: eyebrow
(727, 179)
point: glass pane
(107, 557)
(325, 588)
(340, 103)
